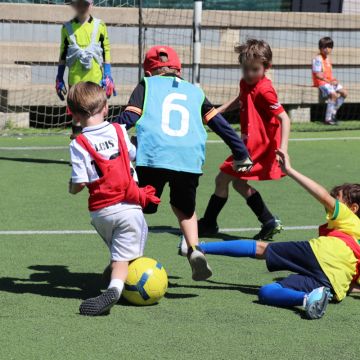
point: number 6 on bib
(167, 108)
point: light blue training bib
(170, 131)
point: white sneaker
(183, 247)
(200, 268)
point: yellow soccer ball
(146, 283)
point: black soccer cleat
(268, 230)
(101, 304)
(205, 229)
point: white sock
(117, 283)
(339, 101)
(329, 110)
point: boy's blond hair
(255, 50)
(86, 99)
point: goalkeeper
(85, 50)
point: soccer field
(45, 273)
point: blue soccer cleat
(315, 303)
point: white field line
(22, 148)
(305, 139)
(162, 230)
(30, 148)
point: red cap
(152, 59)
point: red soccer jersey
(260, 129)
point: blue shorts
(299, 258)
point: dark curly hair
(350, 194)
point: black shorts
(182, 185)
(299, 258)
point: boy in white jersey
(100, 159)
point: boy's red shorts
(262, 170)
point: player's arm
(221, 127)
(79, 176)
(316, 190)
(133, 110)
(107, 81)
(231, 105)
(75, 188)
(60, 86)
(285, 130)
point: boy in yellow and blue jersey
(169, 114)
(324, 267)
(85, 50)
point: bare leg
(119, 270)
(222, 182)
(261, 249)
(243, 188)
(188, 226)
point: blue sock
(235, 248)
(274, 294)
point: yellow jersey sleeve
(343, 219)
(105, 42)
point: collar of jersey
(95, 127)
(89, 21)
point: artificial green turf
(44, 277)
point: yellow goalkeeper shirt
(83, 35)
(336, 259)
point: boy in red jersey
(265, 127)
(100, 159)
(323, 79)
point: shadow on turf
(38, 161)
(215, 285)
(176, 232)
(54, 281)
(58, 281)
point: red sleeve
(270, 101)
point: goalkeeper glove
(244, 165)
(107, 81)
(60, 83)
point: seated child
(169, 114)
(265, 127)
(325, 266)
(100, 159)
(323, 79)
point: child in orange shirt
(324, 80)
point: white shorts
(328, 89)
(123, 228)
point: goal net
(30, 39)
